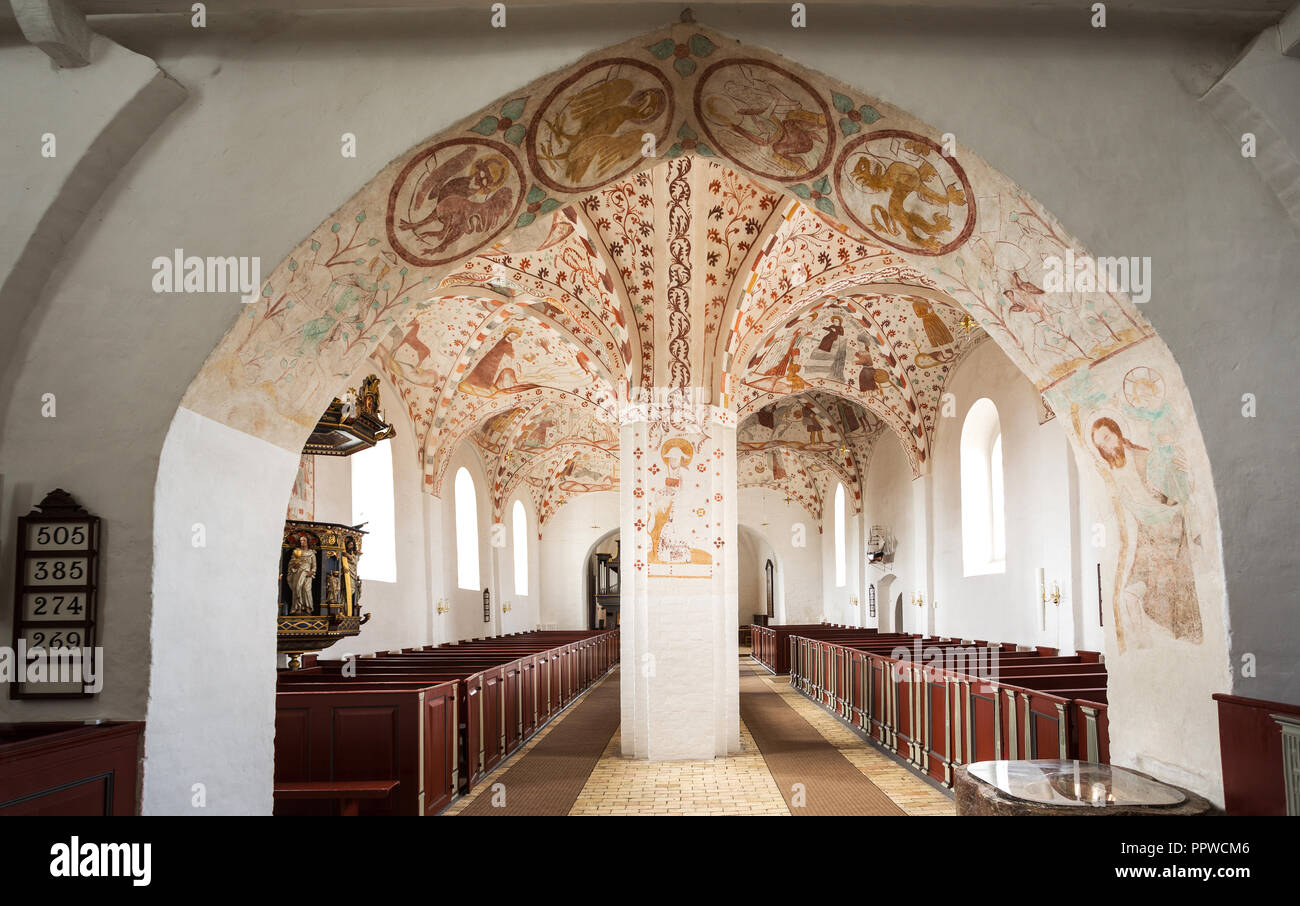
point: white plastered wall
(566, 539)
(799, 595)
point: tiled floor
(737, 785)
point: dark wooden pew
(495, 694)
(348, 793)
(960, 702)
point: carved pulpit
(320, 587)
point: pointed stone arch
(867, 168)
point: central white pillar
(680, 683)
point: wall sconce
(853, 601)
(506, 608)
(1044, 597)
(443, 606)
(918, 599)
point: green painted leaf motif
(842, 104)
(266, 290)
(372, 242)
(869, 114)
(801, 190)
(701, 46)
(549, 205)
(1013, 217)
(686, 132)
(315, 245)
(334, 227)
(485, 126)
(314, 330)
(535, 194)
(662, 49)
(525, 218)
(823, 185)
(824, 205)
(361, 218)
(515, 134)
(684, 66)
(705, 151)
(514, 109)
(848, 127)
(293, 265)
(674, 151)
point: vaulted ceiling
(686, 276)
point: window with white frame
(983, 498)
(841, 551)
(372, 503)
(520, 527)
(466, 502)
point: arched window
(466, 531)
(841, 559)
(770, 570)
(520, 520)
(372, 503)
(997, 501)
(983, 504)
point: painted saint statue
(301, 572)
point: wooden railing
(977, 703)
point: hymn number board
(56, 580)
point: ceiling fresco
(802, 445)
(684, 212)
(670, 277)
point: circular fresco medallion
(1144, 388)
(762, 118)
(592, 126)
(452, 199)
(901, 189)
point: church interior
(447, 408)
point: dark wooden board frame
(62, 510)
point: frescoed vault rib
(337, 296)
(557, 306)
(630, 220)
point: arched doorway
(603, 575)
(233, 444)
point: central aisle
(575, 767)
